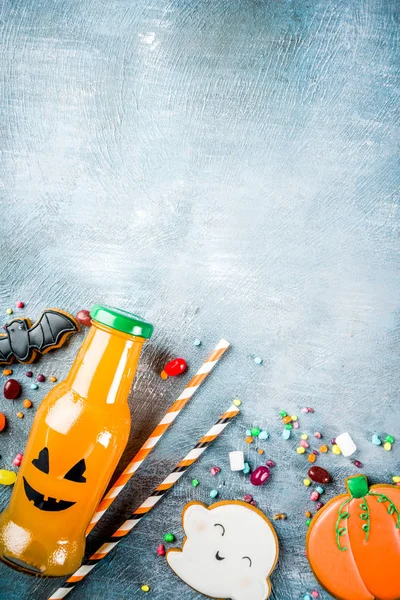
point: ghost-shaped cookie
(229, 551)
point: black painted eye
(42, 462)
(76, 473)
(219, 525)
(219, 557)
(249, 559)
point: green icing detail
(392, 510)
(365, 517)
(341, 531)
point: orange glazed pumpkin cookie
(353, 543)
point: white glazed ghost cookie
(229, 551)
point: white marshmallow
(346, 445)
(236, 460)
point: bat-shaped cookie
(23, 340)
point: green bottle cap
(121, 320)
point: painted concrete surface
(225, 169)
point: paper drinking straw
(158, 432)
(147, 505)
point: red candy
(319, 475)
(248, 498)
(161, 550)
(174, 367)
(12, 389)
(260, 475)
(215, 470)
(41, 377)
(83, 317)
(29, 373)
(19, 304)
(18, 459)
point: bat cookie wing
(51, 330)
(6, 354)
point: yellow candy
(9, 311)
(396, 479)
(336, 449)
(304, 436)
(145, 588)
(307, 482)
(387, 446)
(237, 402)
(294, 417)
(300, 450)
(7, 477)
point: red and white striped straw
(147, 505)
(159, 431)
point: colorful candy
(215, 470)
(376, 440)
(19, 304)
(83, 317)
(300, 450)
(389, 438)
(258, 360)
(20, 415)
(286, 434)
(145, 588)
(29, 374)
(319, 475)
(3, 421)
(255, 431)
(336, 449)
(213, 493)
(27, 403)
(195, 482)
(387, 446)
(248, 498)
(169, 537)
(270, 463)
(161, 550)
(41, 378)
(34, 386)
(7, 477)
(246, 468)
(18, 459)
(249, 439)
(312, 458)
(52, 379)
(197, 342)
(346, 444)
(12, 389)
(323, 448)
(314, 496)
(260, 475)
(318, 435)
(173, 368)
(237, 402)
(307, 482)
(7, 372)
(263, 435)
(357, 464)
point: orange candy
(248, 440)
(308, 514)
(20, 415)
(52, 378)
(312, 458)
(7, 372)
(27, 403)
(260, 451)
(357, 557)
(287, 420)
(323, 448)
(3, 421)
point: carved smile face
(40, 500)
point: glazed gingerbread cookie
(353, 543)
(229, 551)
(23, 341)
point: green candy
(390, 439)
(283, 414)
(255, 432)
(195, 482)
(169, 537)
(288, 426)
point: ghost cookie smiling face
(229, 551)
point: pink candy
(304, 444)
(260, 475)
(18, 459)
(319, 505)
(295, 424)
(318, 435)
(314, 496)
(248, 498)
(315, 594)
(215, 470)
(270, 463)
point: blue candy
(246, 468)
(213, 493)
(286, 434)
(319, 489)
(34, 386)
(375, 440)
(264, 435)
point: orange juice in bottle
(79, 433)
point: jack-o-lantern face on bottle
(39, 499)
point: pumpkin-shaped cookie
(353, 543)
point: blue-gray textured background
(225, 169)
